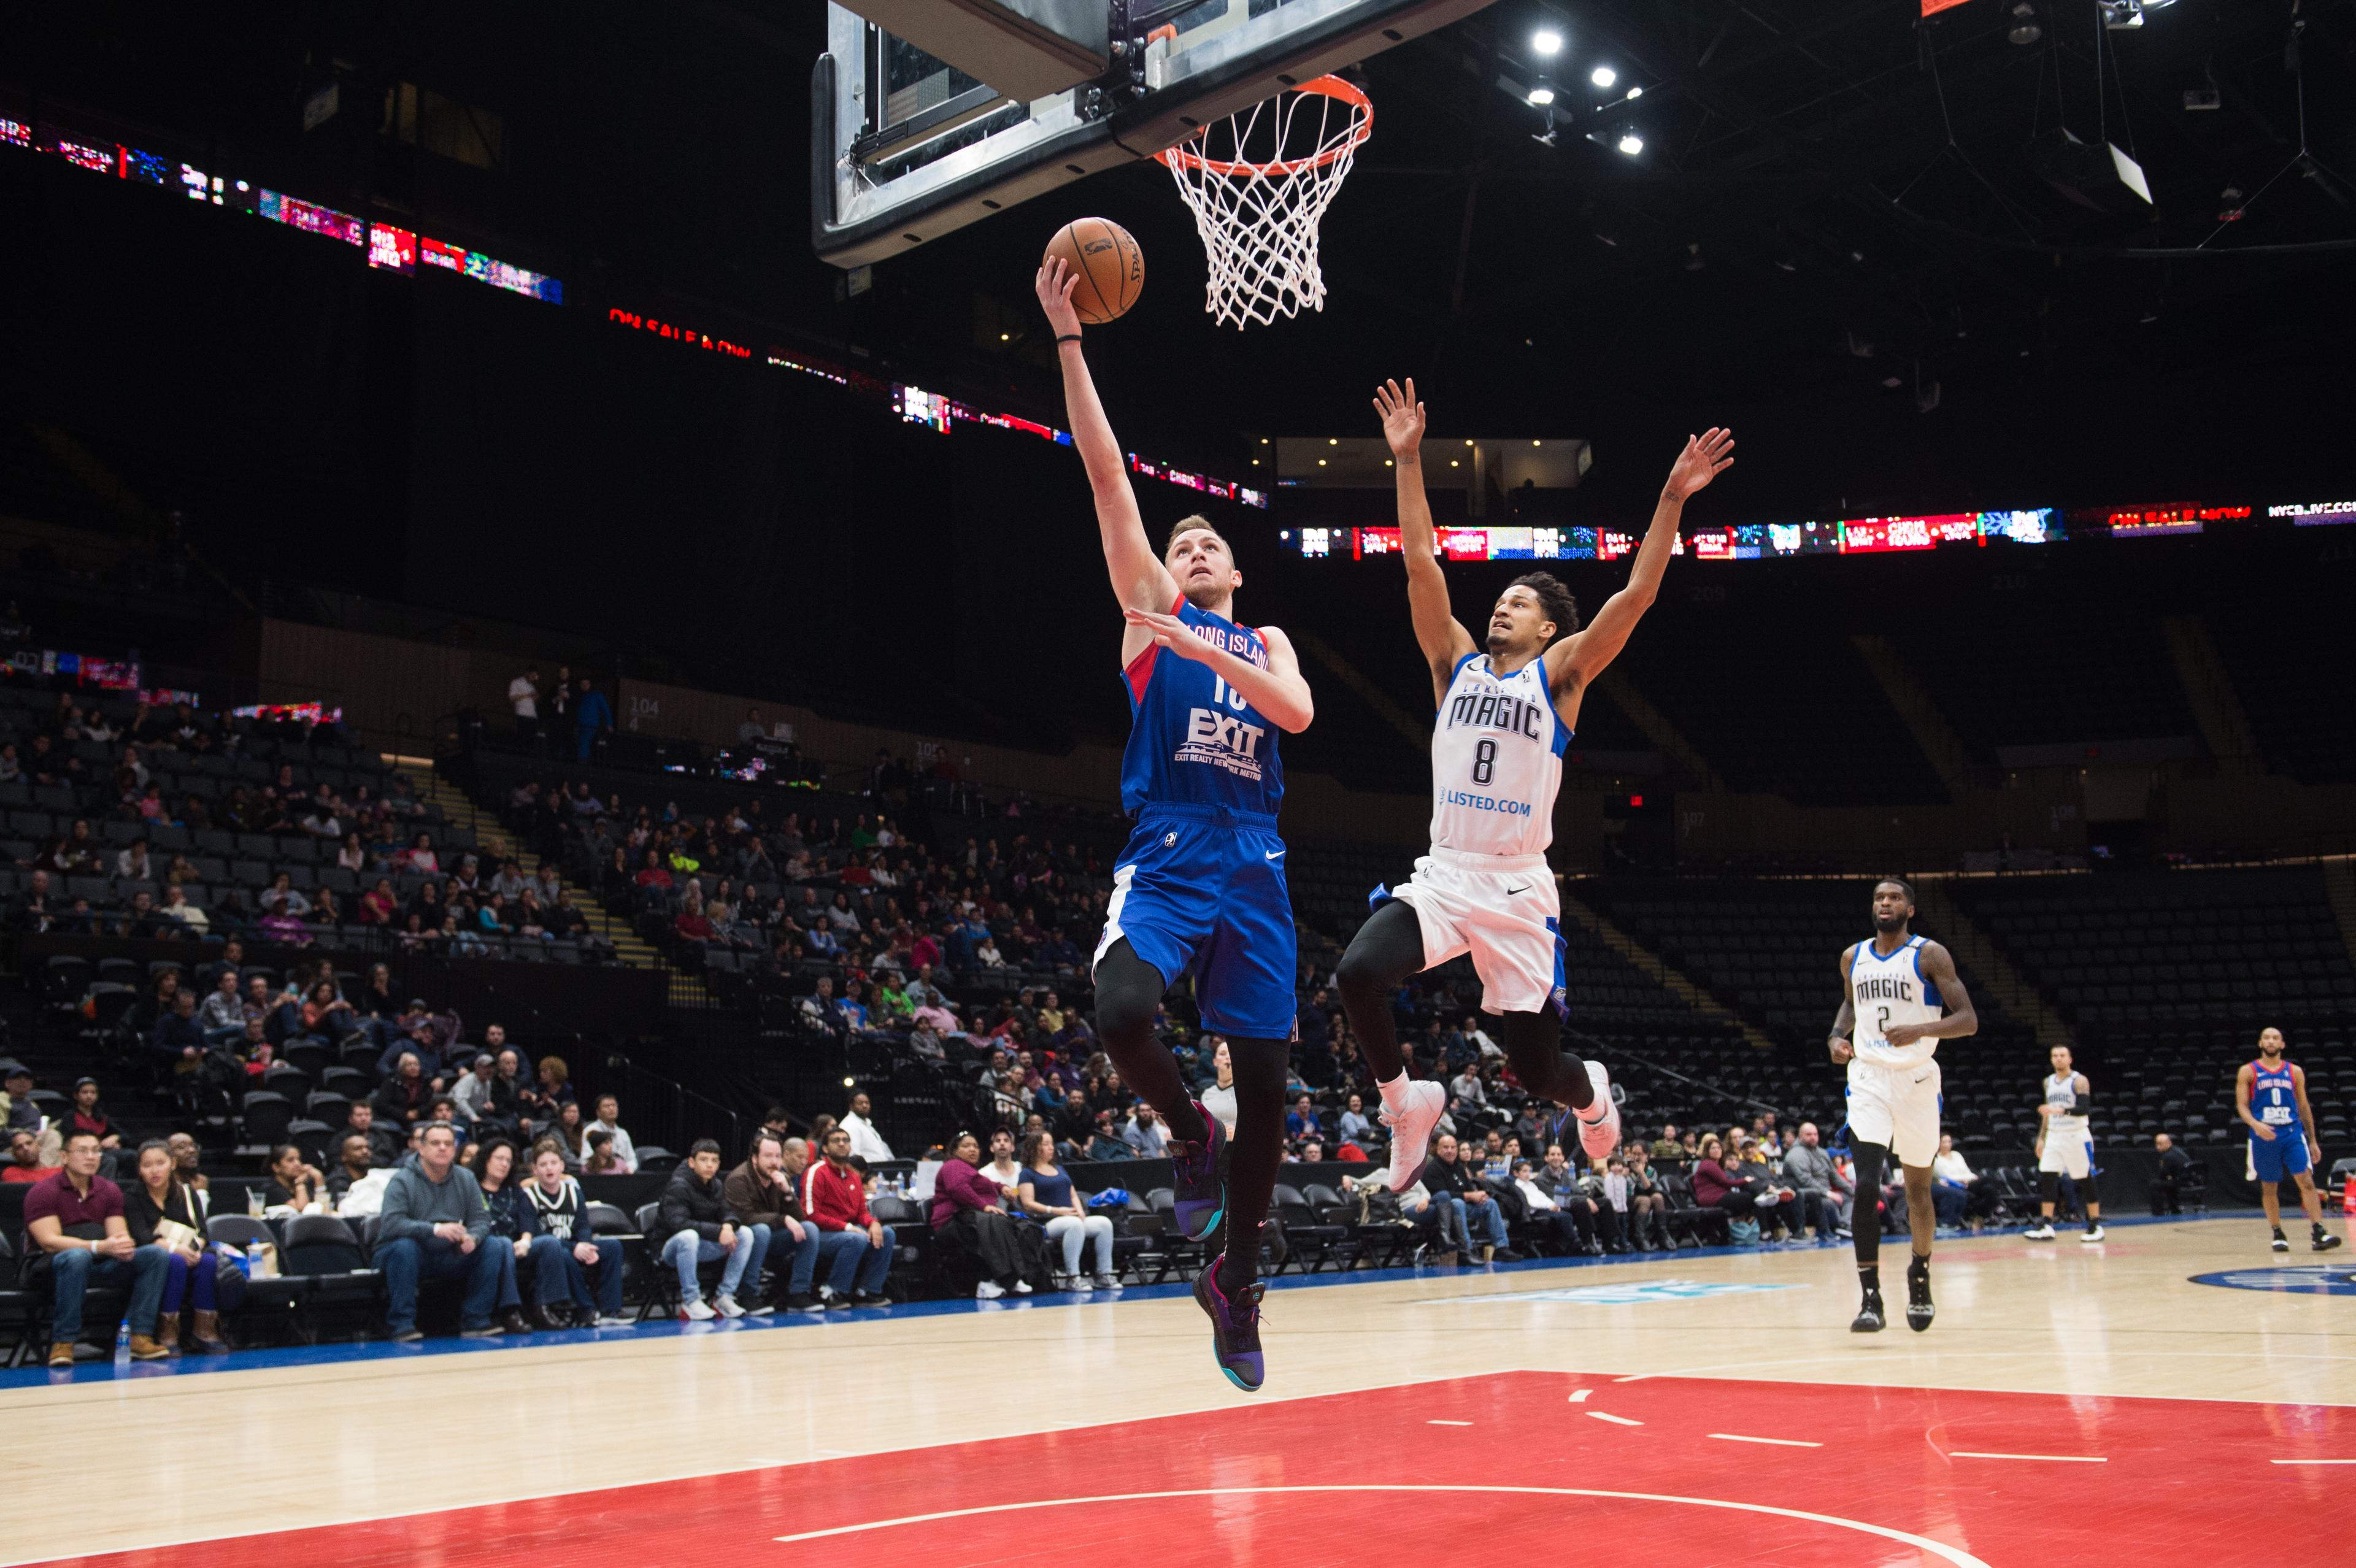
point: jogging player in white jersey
(1900, 998)
(2065, 1146)
(1504, 720)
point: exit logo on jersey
(1222, 740)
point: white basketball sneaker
(697, 1311)
(1411, 1131)
(2040, 1232)
(1600, 1138)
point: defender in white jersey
(1900, 998)
(1505, 717)
(2065, 1146)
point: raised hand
(1053, 287)
(1402, 417)
(1705, 457)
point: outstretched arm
(1140, 580)
(1939, 969)
(1438, 633)
(1576, 661)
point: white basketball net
(1258, 207)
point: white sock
(1394, 1091)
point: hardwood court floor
(2045, 1356)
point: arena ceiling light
(1630, 143)
(2026, 28)
(1547, 41)
(1541, 95)
(1603, 76)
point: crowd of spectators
(132, 819)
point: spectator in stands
(566, 1249)
(515, 1225)
(2168, 1181)
(37, 907)
(130, 863)
(162, 1211)
(433, 1224)
(377, 906)
(1721, 1186)
(184, 918)
(867, 1144)
(87, 1117)
(1453, 1202)
(1816, 1181)
(1956, 1193)
(834, 1198)
(179, 1034)
(696, 1228)
(1569, 1226)
(1666, 1146)
(624, 1152)
(1146, 1134)
(599, 1159)
(968, 1208)
(1218, 1097)
(1353, 1127)
(1045, 1193)
(523, 695)
(404, 1098)
(76, 1220)
(294, 1187)
(222, 1016)
(591, 714)
(760, 1196)
(1301, 1120)
(24, 1157)
(187, 1160)
(355, 1158)
(473, 1091)
(1648, 1205)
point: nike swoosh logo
(1276, 854)
(1925, 1079)
(1522, 889)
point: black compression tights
(1386, 950)
(1128, 989)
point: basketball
(1112, 267)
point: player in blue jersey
(2270, 1094)
(1200, 888)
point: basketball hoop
(1258, 217)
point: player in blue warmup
(2271, 1096)
(1200, 888)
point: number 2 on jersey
(1484, 761)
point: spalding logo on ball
(1110, 267)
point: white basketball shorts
(1503, 910)
(1897, 1108)
(2069, 1151)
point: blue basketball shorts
(1201, 890)
(2286, 1156)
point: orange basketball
(1112, 267)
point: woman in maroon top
(1718, 1186)
(968, 1205)
(88, 1118)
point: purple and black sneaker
(1199, 1193)
(1235, 1326)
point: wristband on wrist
(1070, 337)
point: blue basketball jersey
(1193, 740)
(2274, 1098)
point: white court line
(1579, 1396)
(1438, 1423)
(1939, 1549)
(2311, 1461)
(1614, 1419)
(1778, 1442)
(2049, 1458)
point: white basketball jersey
(1496, 761)
(1891, 990)
(2062, 1093)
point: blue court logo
(1626, 1295)
(2310, 1279)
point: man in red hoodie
(855, 1248)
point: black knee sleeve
(1533, 1043)
(1128, 989)
(1387, 948)
(1865, 1211)
(2049, 1186)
